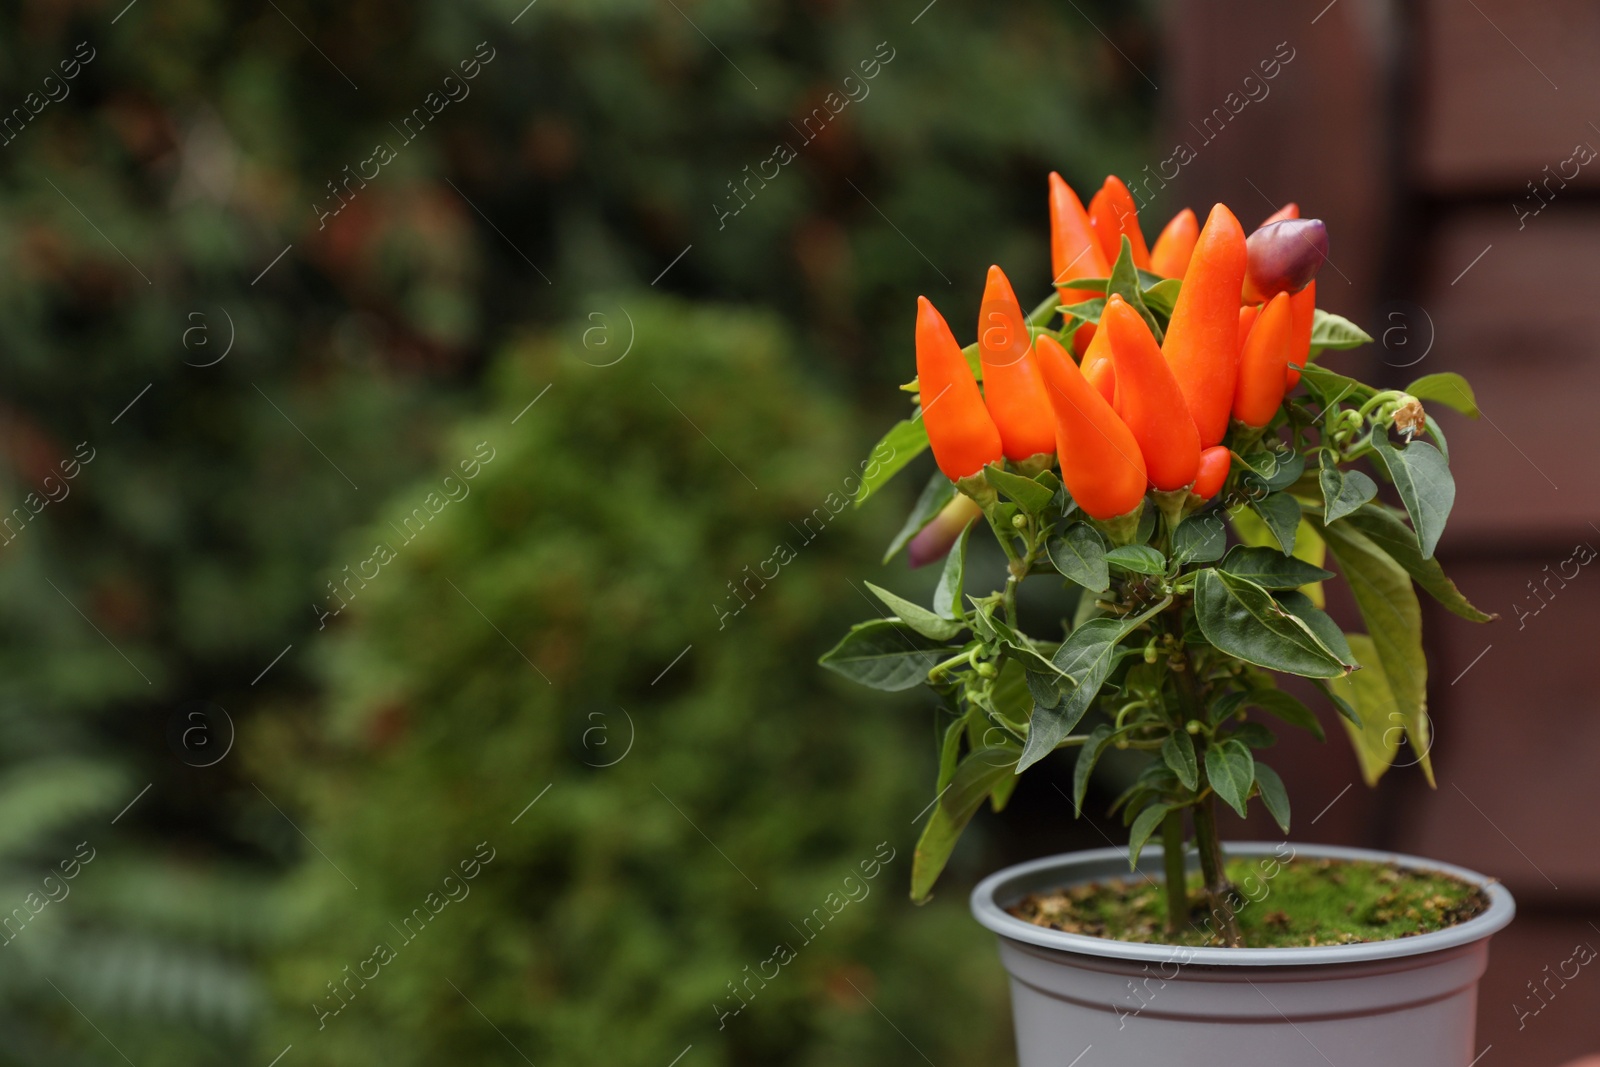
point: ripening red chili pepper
(933, 541)
(960, 431)
(1098, 368)
(1215, 462)
(1169, 256)
(1013, 390)
(1114, 215)
(1283, 258)
(1149, 400)
(1302, 309)
(1202, 341)
(1263, 364)
(1101, 465)
(1074, 252)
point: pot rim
(1010, 883)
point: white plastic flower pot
(1092, 1002)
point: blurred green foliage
(158, 211)
(551, 636)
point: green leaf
(972, 782)
(1140, 559)
(1086, 656)
(1422, 475)
(950, 752)
(1080, 555)
(1201, 538)
(1333, 388)
(1376, 741)
(1336, 331)
(1001, 793)
(905, 441)
(1124, 282)
(1084, 311)
(1271, 569)
(1178, 752)
(1273, 795)
(935, 495)
(1344, 491)
(1385, 529)
(1020, 646)
(1147, 525)
(884, 654)
(1242, 619)
(1340, 704)
(1087, 758)
(1028, 493)
(1254, 735)
(1437, 435)
(1281, 514)
(1146, 824)
(1231, 770)
(1320, 622)
(1278, 469)
(1162, 297)
(947, 594)
(1388, 605)
(1277, 703)
(1148, 279)
(918, 617)
(1449, 389)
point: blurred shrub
(560, 617)
(162, 210)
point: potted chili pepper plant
(1158, 439)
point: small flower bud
(1020, 521)
(1409, 418)
(1192, 726)
(986, 669)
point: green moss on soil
(1291, 903)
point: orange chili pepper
(1098, 368)
(1149, 400)
(1169, 257)
(960, 431)
(1083, 337)
(1013, 390)
(1114, 215)
(1074, 252)
(1247, 319)
(1302, 308)
(1202, 341)
(1291, 210)
(1101, 465)
(1215, 462)
(1263, 364)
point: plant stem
(1172, 856)
(1217, 887)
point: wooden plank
(1513, 311)
(1317, 132)
(1515, 729)
(1505, 88)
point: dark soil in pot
(1282, 903)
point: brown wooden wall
(1414, 130)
